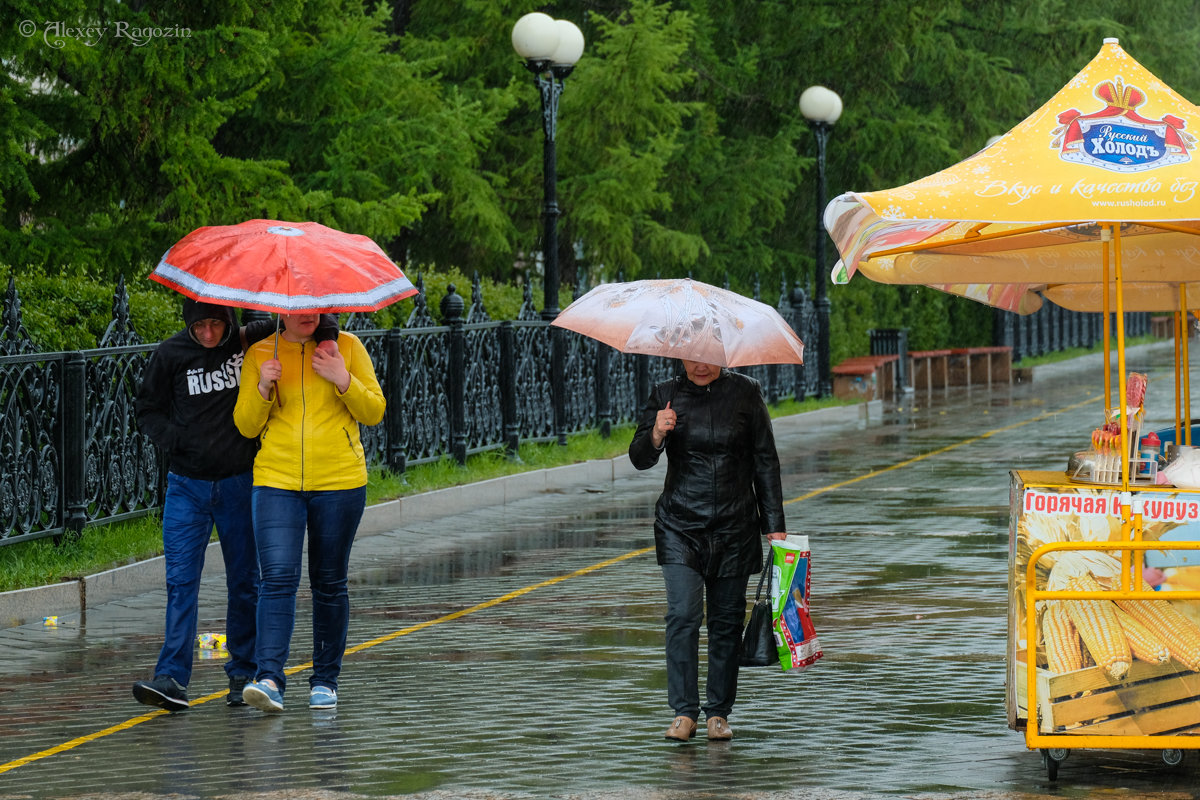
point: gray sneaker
(162, 692)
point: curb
(74, 596)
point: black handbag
(758, 641)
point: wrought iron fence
(1052, 328)
(71, 454)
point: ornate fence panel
(425, 402)
(582, 406)
(532, 365)
(484, 414)
(804, 322)
(31, 502)
(631, 377)
(374, 437)
(123, 476)
(623, 387)
(483, 379)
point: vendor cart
(1092, 202)
(1106, 659)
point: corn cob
(1143, 644)
(1063, 653)
(1177, 632)
(1096, 621)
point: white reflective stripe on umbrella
(373, 298)
(284, 267)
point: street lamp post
(821, 107)
(550, 47)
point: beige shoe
(719, 730)
(682, 729)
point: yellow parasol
(1096, 187)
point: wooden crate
(1151, 699)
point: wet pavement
(516, 651)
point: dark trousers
(191, 509)
(687, 591)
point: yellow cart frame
(1131, 568)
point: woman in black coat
(722, 492)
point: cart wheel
(1051, 758)
(1172, 758)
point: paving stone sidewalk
(514, 650)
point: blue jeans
(280, 518)
(191, 508)
(686, 590)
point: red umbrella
(284, 267)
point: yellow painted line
(71, 745)
(831, 487)
(498, 600)
(65, 746)
(138, 720)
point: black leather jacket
(722, 490)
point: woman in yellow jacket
(304, 406)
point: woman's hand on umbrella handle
(664, 423)
(270, 371)
(327, 362)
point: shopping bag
(758, 641)
(791, 622)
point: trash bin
(893, 342)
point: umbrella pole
(1181, 313)
(1187, 375)
(1122, 403)
(1104, 240)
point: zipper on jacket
(303, 412)
(712, 444)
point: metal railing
(71, 453)
(1052, 328)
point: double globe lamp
(550, 47)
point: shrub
(501, 301)
(71, 311)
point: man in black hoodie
(185, 405)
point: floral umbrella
(684, 319)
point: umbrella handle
(275, 355)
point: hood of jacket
(196, 310)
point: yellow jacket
(309, 440)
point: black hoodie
(185, 403)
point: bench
(865, 377)
(929, 368)
(1162, 327)
(970, 366)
